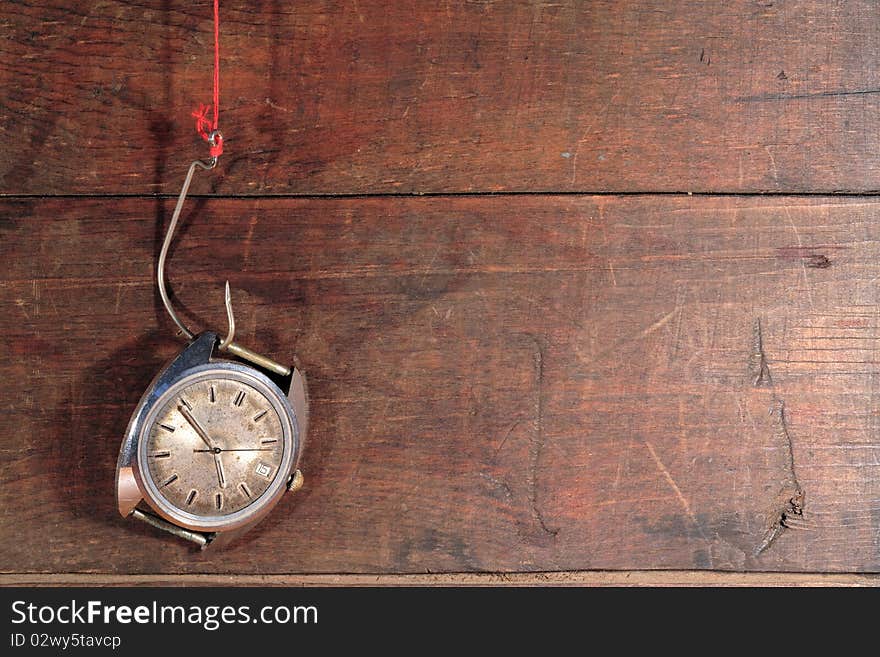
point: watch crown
(295, 482)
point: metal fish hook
(169, 235)
(226, 344)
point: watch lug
(197, 352)
(128, 495)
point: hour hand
(221, 476)
(184, 411)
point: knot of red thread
(203, 123)
(208, 131)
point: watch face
(216, 447)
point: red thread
(204, 126)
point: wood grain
(412, 97)
(556, 383)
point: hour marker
(186, 403)
(160, 455)
(170, 480)
(191, 496)
(259, 416)
(213, 395)
(239, 398)
(245, 489)
(268, 441)
(219, 501)
(167, 427)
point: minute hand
(239, 449)
(195, 425)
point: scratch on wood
(658, 324)
(773, 169)
(248, 238)
(758, 366)
(21, 305)
(536, 444)
(586, 136)
(275, 106)
(506, 436)
(681, 498)
(671, 481)
(797, 235)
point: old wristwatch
(212, 446)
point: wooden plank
(571, 578)
(333, 97)
(498, 384)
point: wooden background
(578, 286)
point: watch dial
(214, 447)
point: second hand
(218, 450)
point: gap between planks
(870, 193)
(664, 578)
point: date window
(264, 469)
